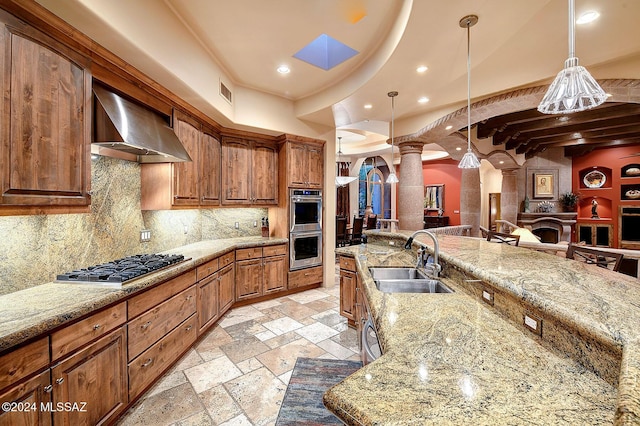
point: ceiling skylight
(325, 52)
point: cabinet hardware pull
(145, 325)
(60, 381)
(97, 326)
(148, 363)
(189, 327)
(306, 274)
(48, 388)
(189, 297)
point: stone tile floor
(238, 372)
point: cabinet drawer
(348, 263)
(72, 337)
(274, 250)
(146, 329)
(22, 362)
(248, 253)
(207, 269)
(305, 277)
(150, 298)
(154, 361)
(227, 259)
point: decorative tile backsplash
(34, 249)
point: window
(372, 189)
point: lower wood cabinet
(33, 393)
(260, 271)
(348, 280)
(215, 290)
(227, 278)
(94, 379)
(305, 277)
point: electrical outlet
(533, 323)
(145, 235)
(237, 225)
(255, 223)
(186, 229)
(487, 296)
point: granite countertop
(451, 359)
(31, 312)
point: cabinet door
(236, 171)
(45, 149)
(185, 174)
(210, 152)
(34, 393)
(96, 375)
(226, 276)
(274, 277)
(264, 177)
(298, 165)
(208, 290)
(316, 167)
(248, 278)
(347, 294)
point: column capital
(411, 147)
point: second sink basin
(406, 280)
(397, 274)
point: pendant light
(469, 159)
(392, 178)
(343, 180)
(573, 89)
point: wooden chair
(356, 231)
(341, 231)
(372, 221)
(502, 237)
(602, 258)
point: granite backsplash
(34, 249)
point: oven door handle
(299, 199)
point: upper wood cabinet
(306, 165)
(45, 149)
(249, 172)
(186, 184)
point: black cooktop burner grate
(121, 270)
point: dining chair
(502, 237)
(372, 221)
(590, 255)
(356, 230)
(341, 231)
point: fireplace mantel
(560, 222)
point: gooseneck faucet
(422, 263)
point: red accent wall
(612, 162)
(447, 173)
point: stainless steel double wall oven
(305, 234)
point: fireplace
(550, 227)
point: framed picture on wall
(544, 185)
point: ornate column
(470, 200)
(509, 196)
(411, 187)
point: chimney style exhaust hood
(127, 127)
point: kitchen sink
(406, 280)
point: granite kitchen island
(454, 359)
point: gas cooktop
(119, 271)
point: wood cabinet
(249, 172)
(305, 277)
(227, 279)
(348, 279)
(193, 183)
(593, 234)
(46, 109)
(435, 221)
(260, 271)
(95, 375)
(306, 165)
(213, 290)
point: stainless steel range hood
(126, 127)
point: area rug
(302, 403)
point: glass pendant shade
(573, 90)
(469, 161)
(344, 180)
(392, 178)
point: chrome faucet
(422, 258)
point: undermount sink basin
(406, 280)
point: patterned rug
(302, 403)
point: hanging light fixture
(343, 180)
(573, 89)
(392, 178)
(469, 159)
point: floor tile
(308, 296)
(295, 310)
(219, 404)
(282, 359)
(330, 318)
(262, 406)
(241, 420)
(212, 373)
(316, 332)
(335, 349)
(282, 325)
(241, 349)
(249, 365)
(245, 329)
(199, 419)
(238, 315)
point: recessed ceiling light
(423, 100)
(449, 127)
(587, 17)
(422, 68)
(283, 69)
(368, 106)
(458, 149)
(501, 162)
